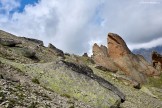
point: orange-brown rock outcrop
(116, 45)
(100, 56)
(119, 57)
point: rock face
(57, 51)
(100, 56)
(89, 72)
(117, 47)
(119, 57)
(157, 61)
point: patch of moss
(35, 80)
(72, 106)
(2, 95)
(155, 82)
(65, 95)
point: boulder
(67, 54)
(26, 52)
(34, 40)
(9, 42)
(83, 69)
(57, 51)
(85, 55)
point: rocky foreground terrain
(35, 76)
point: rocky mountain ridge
(146, 52)
(35, 76)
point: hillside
(146, 53)
(35, 76)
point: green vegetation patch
(35, 80)
(155, 82)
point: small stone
(85, 55)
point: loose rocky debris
(18, 90)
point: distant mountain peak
(146, 52)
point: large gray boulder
(26, 52)
(9, 42)
(34, 40)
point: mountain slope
(37, 76)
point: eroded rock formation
(119, 57)
(100, 56)
(157, 61)
(117, 47)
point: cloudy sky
(75, 25)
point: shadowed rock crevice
(113, 39)
(104, 68)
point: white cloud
(151, 2)
(150, 44)
(9, 5)
(73, 25)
